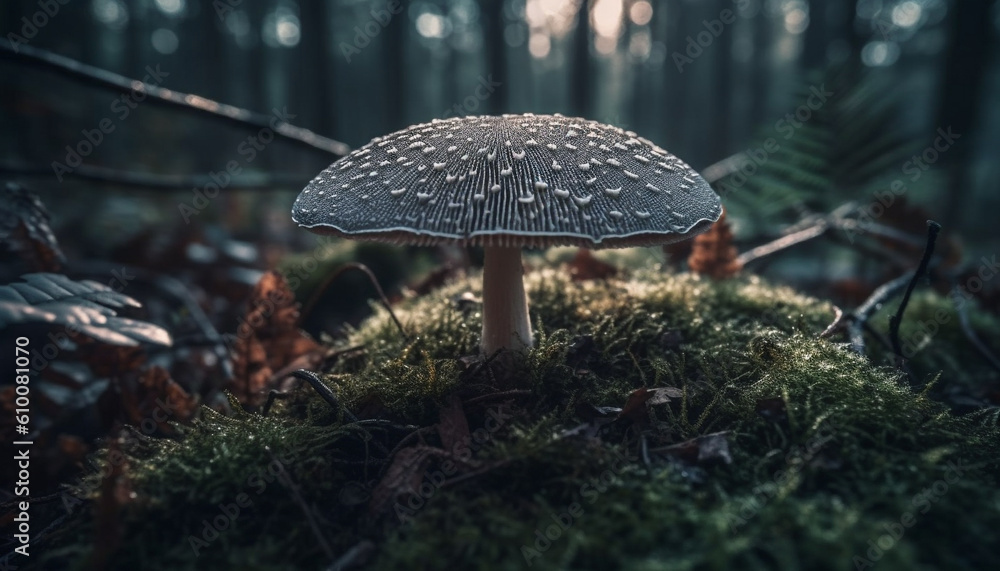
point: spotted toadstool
(505, 183)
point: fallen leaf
(635, 406)
(706, 449)
(267, 339)
(402, 478)
(663, 395)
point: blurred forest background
(702, 84)
(806, 115)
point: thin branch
(324, 391)
(810, 228)
(33, 57)
(838, 321)
(860, 316)
(880, 230)
(720, 170)
(153, 181)
(933, 228)
(501, 395)
(316, 297)
(970, 334)
(816, 230)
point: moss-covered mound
(768, 447)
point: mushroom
(505, 183)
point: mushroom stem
(505, 306)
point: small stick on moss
(970, 334)
(356, 556)
(860, 316)
(482, 364)
(371, 278)
(815, 230)
(933, 228)
(838, 321)
(325, 392)
(271, 396)
(500, 395)
(293, 489)
(406, 439)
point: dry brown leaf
(402, 478)
(267, 339)
(705, 449)
(635, 406)
(148, 400)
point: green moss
(826, 448)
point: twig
(500, 395)
(90, 75)
(933, 228)
(406, 439)
(272, 395)
(324, 391)
(482, 365)
(880, 230)
(838, 321)
(721, 169)
(860, 316)
(814, 231)
(355, 556)
(970, 334)
(293, 489)
(151, 181)
(477, 472)
(820, 226)
(371, 278)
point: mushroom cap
(513, 180)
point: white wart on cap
(509, 182)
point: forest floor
(661, 421)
